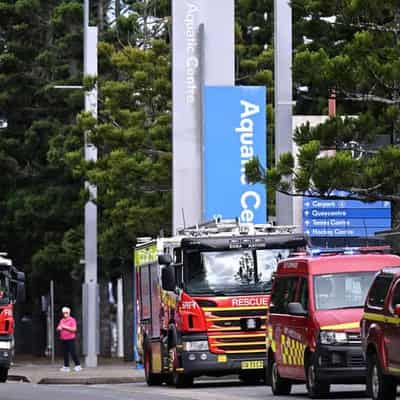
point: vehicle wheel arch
(173, 336)
(308, 354)
(270, 357)
(371, 350)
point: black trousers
(69, 349)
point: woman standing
(67, 328)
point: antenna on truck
(183, 218)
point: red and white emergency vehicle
(202, 299)
(11, 290)
(314, 320)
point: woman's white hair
(66, 309)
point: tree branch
(369, 97)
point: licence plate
(257, 364)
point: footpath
(41, 371)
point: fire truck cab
(202, 300)
(11, 290)
(314, 320)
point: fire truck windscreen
(4, 292)
(338, 291)
(231, 271)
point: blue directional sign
(349, 218)
(234, 131)
(348, 223)
(364, 213)
(338, 204)
(355, 232)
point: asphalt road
(205, 390)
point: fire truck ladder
(234, 228)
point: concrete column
(203, 53)
(120, 318)
(283, 99)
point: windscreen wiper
(209, 292)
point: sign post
(203, 54)
(283, 99)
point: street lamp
(90, 287)
(90, 293)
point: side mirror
(164, 259)
(21, 295)
(297, 309)
(397, 310)
(21, 276)
(168, 279)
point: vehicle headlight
(332, 337)
(5, 345)
(198, 345)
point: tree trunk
(101, 15)
(117, 8)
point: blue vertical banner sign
(234, 132)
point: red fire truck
(11, 290)
(202, 298)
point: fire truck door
(293, 339)
(392, 328)
(145, 309)
(296, 334)
(283, 293)
(155, 300)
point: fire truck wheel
(3, 374)
(181, 380)
(279, 386)
(315, 387)
(151, 378)
(379, 386)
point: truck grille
(354, 338)
(227, 332)
(356, 361)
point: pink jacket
(65, 334)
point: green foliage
(133, 137)
(41, 151)
(351, 48)
(39, 201)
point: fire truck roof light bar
(384, 249)
(233, 226)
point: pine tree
(132, 134)
(40, 47)
(352, 48)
